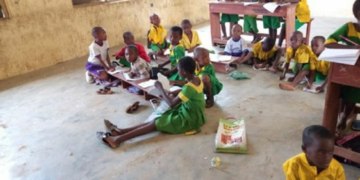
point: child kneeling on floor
(316, 161)
(186, 113)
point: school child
(177, 51)
(230, 18)
(316, 161)
(157, 37)
(349, 95)
(251, 27)
(301, 54)
(206, 73)
(186, 113)
(190, 39)
(99, 60)
(302, 16)
(272, 23)
(130, 40)
(319, 69)
(139, 67)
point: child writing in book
(157, 37)
(190, 39)
(206, 73)
(139, 67)
(228, 18)
(316, 161)
(130, 40)
(186, 113)
(177, 51)
(319, 69)
(301, 54)
(348, 34)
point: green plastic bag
(231, 136)
(237, 75)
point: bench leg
(308, 29)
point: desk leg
(332, 104)
(215, 27)
(290, 24)
(125, 84)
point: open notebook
(341, 56)
(166, 85)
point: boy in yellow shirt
(190, 39)
(316, 161)
(157, 37)
(301, 54)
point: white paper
(127, 77)
(164, 81)
(148, 83)
(313, 89)
(189, 54)
(271, 6)
(341, 56)
(167, 52)
(250, 3)
(220, 58)
(155, 92)
(119, 69)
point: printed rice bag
(231, 136)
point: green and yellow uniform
(321, 67)
(262, 56)
(195, 41)
(250, 24)
(229, 18)
(157, 36)
(349, 94)
(186, 116)
(301, 56)
(176, 53)
(209, 70)
(271, 22)
(302, 13)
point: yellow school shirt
(302, 55)
(302, 11)
(319, 65)
(194, 42)
(260, 54)
(298, 168)
(157, 34)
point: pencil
(348, 40)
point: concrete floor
(48, 121)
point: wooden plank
(220, 67)
(347, 154)
(346, 74)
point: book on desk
(341, 56)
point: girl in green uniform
(186, 113)
(349, 95)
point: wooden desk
(340, 74)
(216, 8)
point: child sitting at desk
(231, 18)
(190, 39)
(157, 37)
(177, 51)
(130, 40)
(348, 34)
(186, 113)
(301, 54)
(316, 161)
(139, 67)
(206, 73)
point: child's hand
(221, 53)
(282, 77)
(158, 85)
(111, 68)
(160, 65)
(132, 75)
(166, 73)
(320, 89)
(308, 86)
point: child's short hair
(320, 38)
(269, 41)
(127, 34)
(133, 47)
(315, 132)
(356, 8)
(298, 33)
(188, 64)
(177, 29)
(96, 30)
(185, 21)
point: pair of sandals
(114, 131)
(105, 91)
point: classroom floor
(48, 121)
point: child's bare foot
(115, 131)
(291, 79)
(209, 103)
(287, 87)
(107, 139)
(273, 70)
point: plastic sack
(237, 75)
(231, 136)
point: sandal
(102, 135)
(209, 103)
(133, 107)
(101, 92)
(112, 128)
(107, 90)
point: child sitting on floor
(316, 161)
(206, 73)
(139, 67)
(301, 54)
(190, 39)
(130, 40)
(179, 119)
(319, 69)
(177, 51)
(157, 37)
(96, 66)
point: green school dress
(176, 53)
(216, 85)
(250, 24)
(186, 116)
(348, 93)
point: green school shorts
(298, 24)
(350, 94)
(304, 67)
(250, 24)
(271, 22)
(229, 18)
(155, 48)
(319, 77)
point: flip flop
(107, 90)
(102, 135)
(101, 92)
(133, 107)
(111, 127)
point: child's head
(128, 38)
(236, 31)
(186, 26)
(201, 56)
(318, 44)
(154, 19)
(356, 9)
(175, 35)
(186, 67)
(268, 44)
(99, 33)
(131, 53)
(296, 39)
(318, 145)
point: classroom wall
(42, 33)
